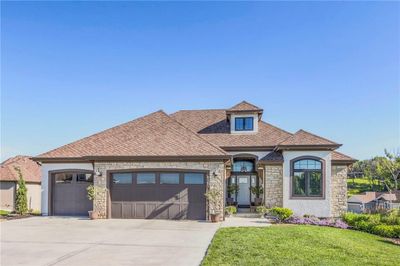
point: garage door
(69, 195)
(158, 195)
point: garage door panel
(69, 195)
(140, 210)
(159, 201)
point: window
(244, 123)
(307, 178)
(122, 178)
(146, 178)
(170, 178)
(63, 178)
(194, 179)
(84, 177)
(243, 166)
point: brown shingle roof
(304, 138)
(213, 126)
(340, 157)
(363, 198)
(30, 170)
(152, 135)
(244, 106)
(272, 157)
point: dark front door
(158, 195)
(69, 194)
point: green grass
(299, 245)
(4, 213)
(360, 185)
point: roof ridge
(195, 133)
(102, 131)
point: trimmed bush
(229, 210)
(281, 213)
(386, 225)
(387, 230)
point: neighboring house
(160, 166)
(9, 178)
(372, 201)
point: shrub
(229, 210)
(262, 210)
(387, 230)
(281, 213)
(21, 197)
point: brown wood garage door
(69, 194)
(158, 195)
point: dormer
(243, 118)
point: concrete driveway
(75, 241)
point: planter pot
(257, 201)
(93, 215)
(215, 218)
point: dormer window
(244, 123)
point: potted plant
(232, 190)
(91, 194)
(257, 191)
(214, 197)
(229, 210)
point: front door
(243, 196)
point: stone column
(273, 189)
(339, 190)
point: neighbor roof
(30, 170)
(153, 135)
(363, 198)
(213, 126)
(303, 138)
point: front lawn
(299, 245)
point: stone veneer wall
(273, 186)
(339, 190)
(101, 200)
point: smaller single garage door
(158, 195)
(69, 194)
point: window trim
(244, 123)
(323, 175)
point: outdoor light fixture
(98, 172)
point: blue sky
(71, 69)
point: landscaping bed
(299, 245)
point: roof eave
(309, 147)
(87, 159)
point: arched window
(243, 166)
(307, 177)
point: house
(160, 166)
(372, 201)
(9, 178)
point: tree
(388, 169)
(22, 199)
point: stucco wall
(34, 197)
(317, 207)
(46, 167)
(215, 179)
(7, 195)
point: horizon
(331, 69)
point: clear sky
(71, 69)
